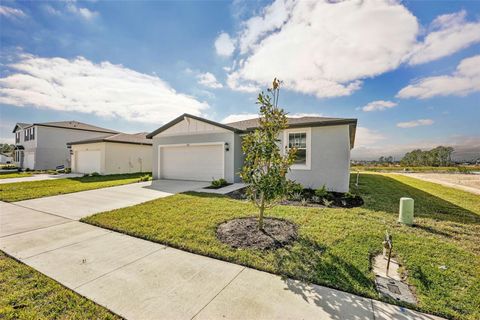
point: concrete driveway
(138, 279)
(81, 204)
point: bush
(219, 183)
(294, 188)
(145, 178)
(67, 170)
(94, 174)
(321, 192)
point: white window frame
(308, 132)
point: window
(25, 135)
(17, 137)
(32, 133)
(298, 140)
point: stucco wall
(330, 159)
(127, 158)
(227, 137)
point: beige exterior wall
(117, 157)
(127, 158)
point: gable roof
(245, 126)
(21, 125)
(136, 138)
(186, 115)
(75, 125)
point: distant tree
(6, 148)
(265, 168)
(439, 156)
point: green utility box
(405, 214)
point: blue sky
(409, 71)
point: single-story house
(112, 154)
(194, 148)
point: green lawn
(36, 189)
(453, 169)
(8, 175)
(28, 294)
(335, 246)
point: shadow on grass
(382, 193)
(308, 261)
(109, 177)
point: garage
(88, 161)
(198, 162)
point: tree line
(437, 157)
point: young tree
(265, 167)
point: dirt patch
(244, 233)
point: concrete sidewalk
(81, 204)
(138, 279)
(42, 176)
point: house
(194, 148)
(41, 146)
(111, 154)
(5, 159)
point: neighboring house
(110, 154)
(41, 146)
(5, 159)
(193, 148)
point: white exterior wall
(117, 157)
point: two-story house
(41, 146)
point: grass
(36, 189)
(28, 294)
(395, 168)
(336, 246)
(9, 175)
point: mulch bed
(222, 186)
(244, 233)
(337, 199)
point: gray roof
(136, 138)
(21, 125)
(293, 122)
(75, 125)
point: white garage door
(88, 161)
(29, 160)
(192, 162)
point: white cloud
(85, 13)
(272, 18)
(104, 89)
(327, 48)
(379, 105)
(239, 117)
(9, 12)
(464, 80)
(367, 137)
(224, 45)
(415, 123)
(246, 116)
(449, 34)
(323, 48)
(209, 80)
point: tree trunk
(262, 209)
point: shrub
(94, 174)
(327, 203)
(144, 178)
(68, 170)
(294, 188)
(219, 183)
(321, 192)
